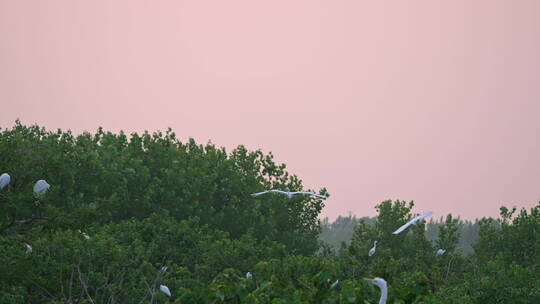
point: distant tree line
(340, 232)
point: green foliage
(340, 231)
(161, 212)
(448, 235)
(109, 177)
(394, 252)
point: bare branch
(31, 220)
(85, 286)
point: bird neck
(384, 296)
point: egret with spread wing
(289, 194)
(412, 222)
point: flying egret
(441, 251)
(28, 248)
(41, 187)
(412, 222)
(289, 194)
(165, 290)
(249, 276)
(381, 283)
(334, 284)
(372, 250)
(4, 180)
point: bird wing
(259, 193)
(400, 229)
(279, 191)
(270, 191)
(421, 216)
(309, 193)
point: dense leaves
(107, 177)
(127, 214)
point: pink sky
(432, 101)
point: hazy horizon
(435, 102)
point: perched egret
(28, 248)
(381, 283)
(249, 276)
(372, 250)
(289, 194)
(41, 187)
(441, 251)
(165, 290)
(412, 222)
(4, 180)
(334, 284)
(163, 269)
(86, 236)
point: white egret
(86, 236)
(289, 194)
(334, 284)
(372, 250)
(249, 276)
(163, 269)
(165, 290)
(441, 251)
(4, 180)
(41, 187)
(28, 248)
(412, 222)
(381, 283)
